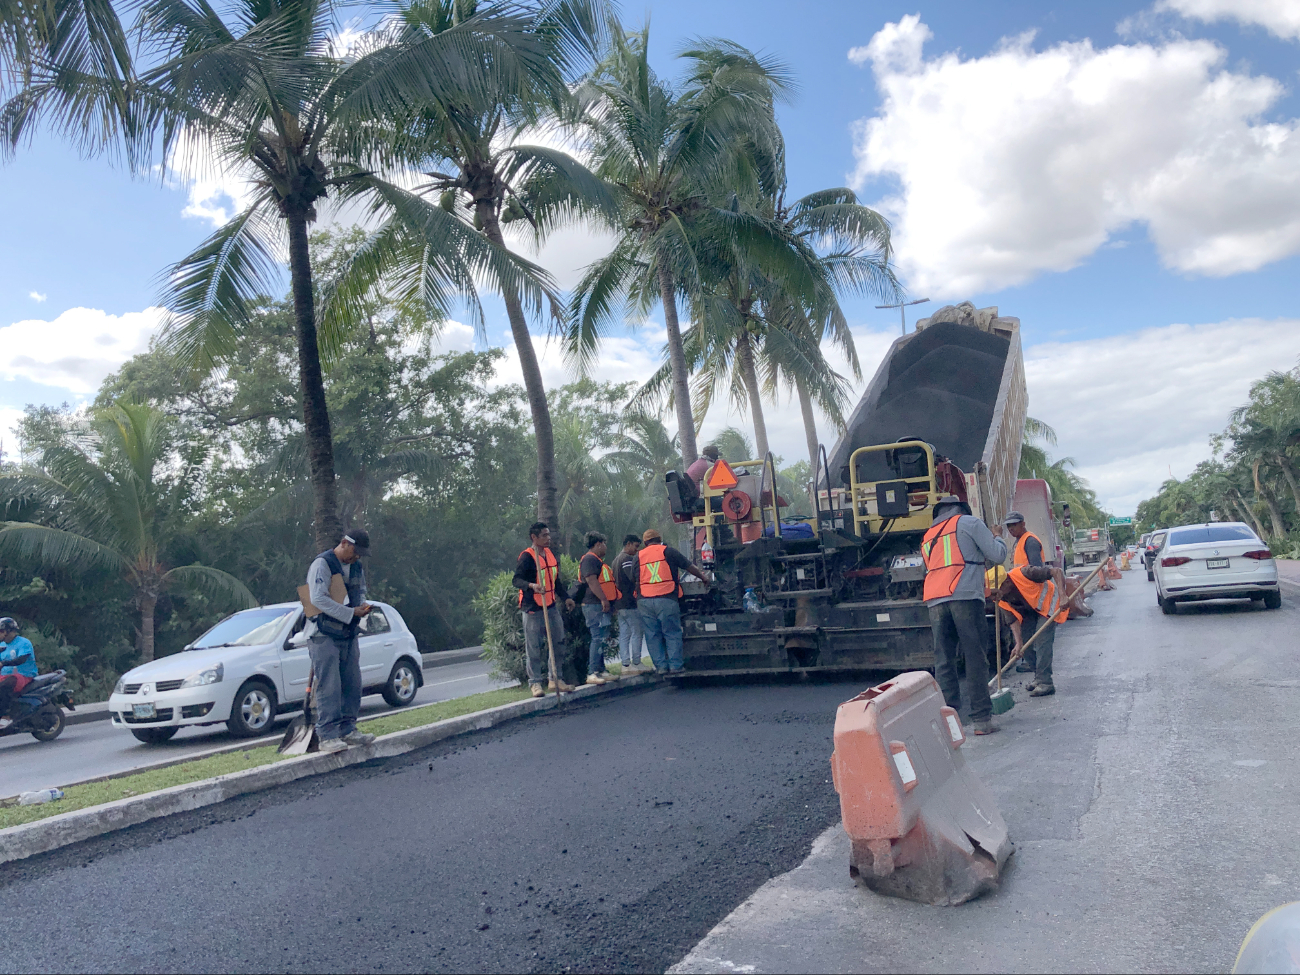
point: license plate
(144, 711)
(1216, 563)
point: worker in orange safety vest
(1034, 594)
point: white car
(1220, 560)
(252, 666)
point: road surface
(86, 751)
(1152, 802)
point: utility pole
(902, 310)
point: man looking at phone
(333, 644)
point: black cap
(360, 539)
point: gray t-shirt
(978, 545)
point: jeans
(1039, 656)
(336, 684)
(959, 626)
(662, 618)
(538, 655)
(631, 637)
(598, 623)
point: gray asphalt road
(98, 748)
(1153, 801)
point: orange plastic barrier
(1111, 571)
(923, 826)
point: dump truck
(1033, 499)
(944, 414)
(1091, 545)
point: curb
(43, 835)
(98, 710)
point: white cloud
(77, 350)
(216, 199)
(1134, 409)
(1021, 161)
(36, 296)
(1279, 17)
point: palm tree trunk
(677, 360)
(315, 413)
(1274, 512)
(147, 606)
(547, 492)
(1288, 471)
(1250, 513)
(809, 427)
(745, 355)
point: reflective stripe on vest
(607, 584)
(1020, 556)
(551, 571)
(1042, 596)
(943, 559)
(656, 578)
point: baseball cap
(360, 539)
(649, 534)
(1013, 518)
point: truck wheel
(50, 719)
(403, 683)
(1272, 600)
(155, 736)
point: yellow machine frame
(710, 518)
(862, 494)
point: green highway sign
(1120, 521)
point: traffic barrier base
(921, 823)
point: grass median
(152, 780)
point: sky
(1123, 177)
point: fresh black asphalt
(608, 838)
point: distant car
(1149, 552)
(252, 666)
(1220, 560)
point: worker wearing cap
(657, 593)
(696, 472)
(955, 549)
(1034, 593)
(333, 644)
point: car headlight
(211, 676)
(120, 686)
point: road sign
(1120, 521)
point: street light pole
(902, 310)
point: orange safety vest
(943, 559)
(549, 573)
(1019, 556)
(1042, 596)
(656, 577)
(607, 584)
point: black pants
(959, 627)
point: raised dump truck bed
(944, 413)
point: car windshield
(246, 629)
(1206, 534)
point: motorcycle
(38, 709)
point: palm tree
(265, 95)
(483, 178)
(669, 152)
(110, 507)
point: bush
(1286, 548)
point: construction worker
(696, 472)
(955, 550)
(538, 596)
(1028, 550)
(631, 636)
(597, 605)
(657, 593)
(1035, 594)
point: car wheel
(253, 710)
(403, 684)
(51, 720)
(1168, 607)
(1272, 600)
(154, 736)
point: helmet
(8, 623)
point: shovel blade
(300, 738)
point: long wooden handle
(997, 678)
(546, 622)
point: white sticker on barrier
(710, 627)
(903, 762)
(882, 617)
(954, 728)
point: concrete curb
(98, 710)
(43, 835)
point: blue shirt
(19, 646)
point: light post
(902, 310)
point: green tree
(114, 505)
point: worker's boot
(985, 727)
(537, 691)
(1042, 690)
(566, 688)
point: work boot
(537, 690)
(631, 670)
(5, 723)
(1042, 690)
(606, 676)
(333, 745)
(1023, 668)
(358, 737)
(595, 679)
(566, 688)
(985, 728)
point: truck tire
(1272, 600)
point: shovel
(1002, 699)
(540, 562)
(301, 736)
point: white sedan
(252, 666)
(1221, 560)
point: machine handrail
(769, 464)
(817, 495)
(854, 483)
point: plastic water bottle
(751, 602)
(706, 555)
(37, 798)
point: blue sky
(1117, 175)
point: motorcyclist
(17, 666)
